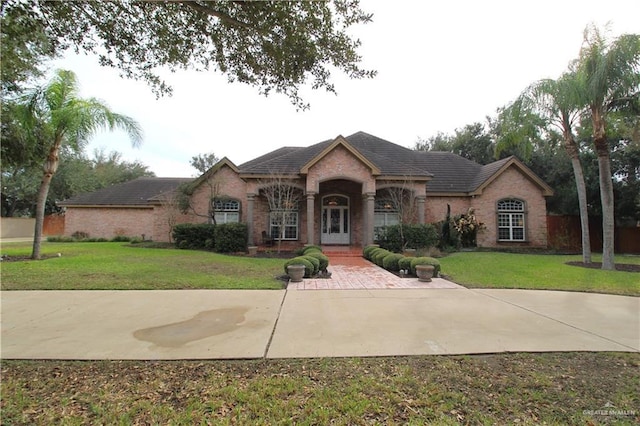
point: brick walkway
(356, 273)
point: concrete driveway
(218, 324)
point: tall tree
(550, 103)
(54, 116)
(472, 142)
(275, 46)
(611, 73)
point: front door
(335, 220)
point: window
(226, 211)
(511, 226)
(284, 224)
(385, 214)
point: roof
(137, 192)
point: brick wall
(110, 222)
(512, 184)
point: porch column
(310, 217)
(250, 200)
(368, 217)
(420, 199)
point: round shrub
(390, 263)
(379, 256)
(366, 252)
(308, 266)
(324, 260)
(315, 262)
(405, 263)
(311, 249)
(425, 261)
(373, 252)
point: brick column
(420, 199)
(250, 201)
(370, 198)
(310, 217)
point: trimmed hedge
(366, 252)
(416, 236)
(405, 263)
(390, 263)
(315, 262)
(324, 260)
(300, 260)
(425, 261)
(309, 249)
(223, 238)
(379, 256)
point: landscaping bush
(315, 262)
(309, 249)
(425, 261)
(405, 264)
(230, 237)
(193, 235)
(417, 236)
(120, 239)
(366, 252)
(390, 263)
(373, 252)
(379, 256)
(300, 260)
(324, 260)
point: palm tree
(611, 75)
(53, 115)
(554, 103)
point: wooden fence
(564, 234)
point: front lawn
(115, 266)
(538, 272)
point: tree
(283, 197)
(276, 46)
(550, 103)
(54, 116)
(611, 73)
(472, 142)
(203, 162)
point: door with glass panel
(335, 220)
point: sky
(441, 65)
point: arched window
(226, 210)
(511, 220)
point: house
(341, 191)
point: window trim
(273, 230)
(514, 215)
(225, 210)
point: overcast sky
(441, 65)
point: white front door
(335, 221)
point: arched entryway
(335, 227)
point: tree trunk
(606, 189)
(50, 167)
(572, 150)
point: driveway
(219, 324)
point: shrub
(366, 252)
(416, 236)
(121, 239)
(300, 260)
(373, 252)
(379, 256)
(193, 235)
(405, 263)
(80, 235)
(230, 237)
(390, 263)
(309, 249)
(315, 262)
(324, 260)
(60, 239)
(425, 261)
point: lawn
(538, 272)
(114, 266)
(527, 389)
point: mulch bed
(625, 267)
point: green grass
(114, 266)
(538, 272)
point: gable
(490, 172)
(339, 142)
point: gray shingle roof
(132, 193)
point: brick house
(337, 192)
